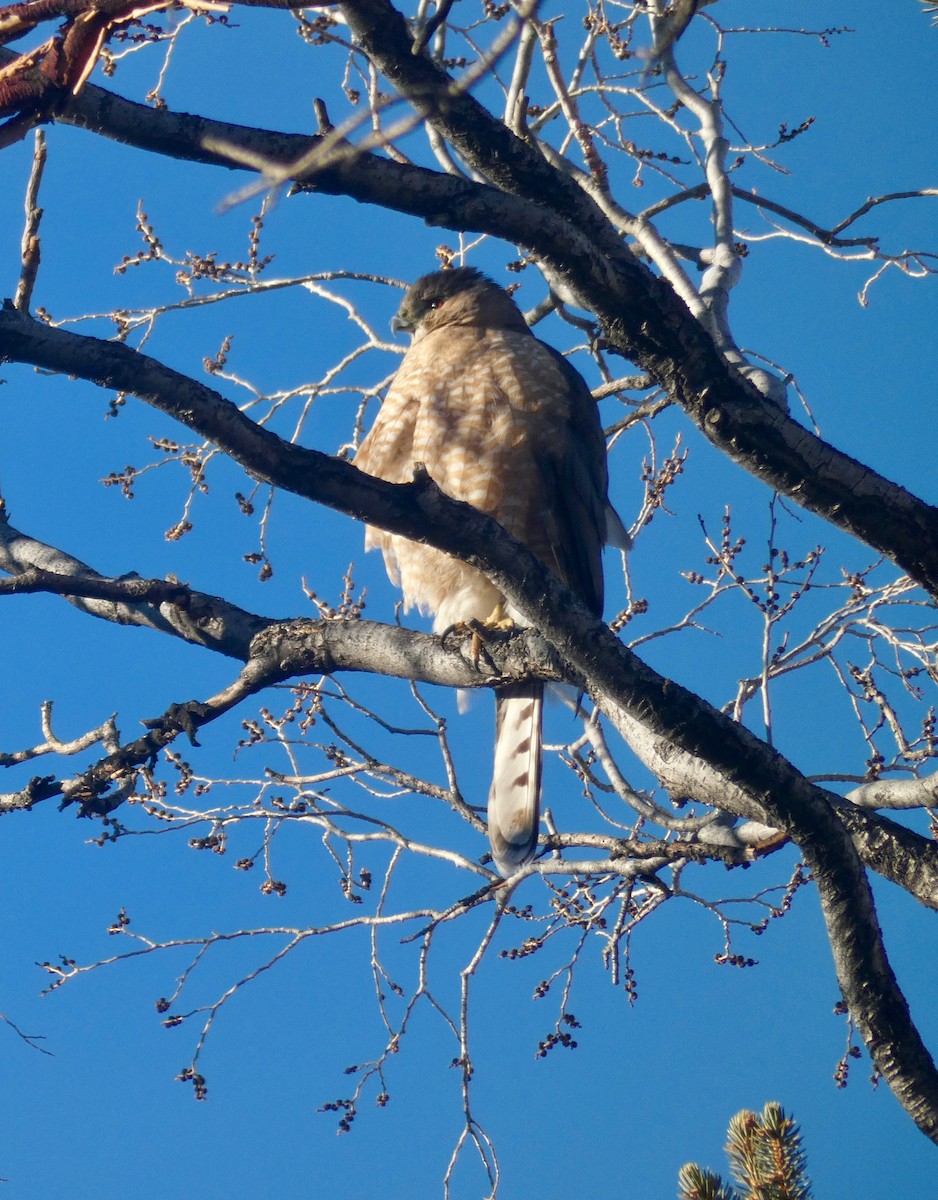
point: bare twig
(30, 245)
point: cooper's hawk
(503, 422)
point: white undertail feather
(515, 796)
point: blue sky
(652, 1084)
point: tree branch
(162, 605)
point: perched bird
(503, 422)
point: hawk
(503, 422)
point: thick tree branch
(905, 858)
(153, 604)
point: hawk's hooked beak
(401, 324)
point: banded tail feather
(515, 795)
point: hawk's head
(461, 296)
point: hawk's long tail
(515, 796)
